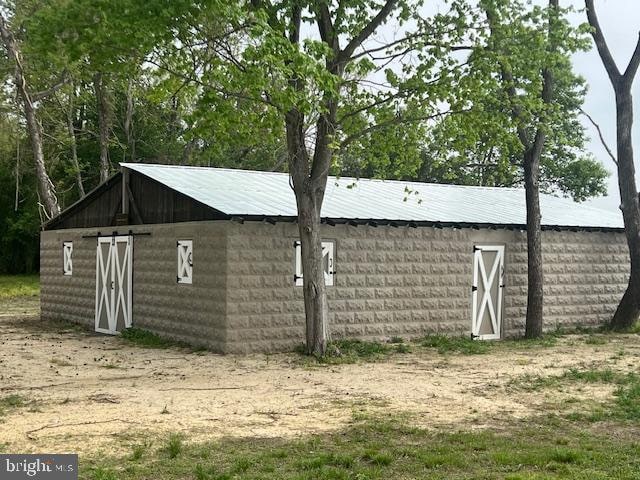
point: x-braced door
(113, 283)
(488, 283)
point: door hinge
(474, 288)
(473, 337)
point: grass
(12, 402)
(347, 351)
(174, 445)
(530, 382)
(596, 340)
(625, 405)
(146, 339)
(353, 351)
(14, 286)
(464, 345)
(445, 344)
(391, 447)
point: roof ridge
(334, 177)
(264, 195)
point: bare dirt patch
(88, 393)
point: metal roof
(246, 193)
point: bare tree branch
(223, 91)
(632, 68)
(396, 121)
(602, 140)
(375, 22)
(64, 79)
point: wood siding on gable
(97, 209)
(154, 203)
(158, 203)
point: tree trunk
(103, 109)
(187, 150)
(128, 123)
(315, 295)
(17, 196)
(628, 310)
(46, 189)
(309, 193)
(534, 321)
(72, 139)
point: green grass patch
(12, 402)
(596, 340)
(174, 445)
(14, 286)
(467, 346)
(530, 382)
(463, 345)
(146, 339)
(627, 402)
(346, 351)
(390, 447)
(352, 351)
(624, 406)
(635, 328)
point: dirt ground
(88, 393)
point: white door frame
(496, 273)
(107, 271)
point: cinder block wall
(403, 282)
(192, 313)
(70, 298)
(410, 282)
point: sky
(620, 22)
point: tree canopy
(410, 95)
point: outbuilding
(210, 256)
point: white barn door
(488, 283)
(113, 283)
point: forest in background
(172, 82)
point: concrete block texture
(410, 282)
(192, 313)
(405, 282)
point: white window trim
(185, 261)
(329, 277)
(67, 258)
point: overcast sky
(620, 21)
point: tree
(103, 108)
(323, 91)
(526, 51)
(628, 310)
(312, 71)
(481, 147)
(46, 189)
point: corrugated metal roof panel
(252, 193)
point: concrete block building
(211, 257)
